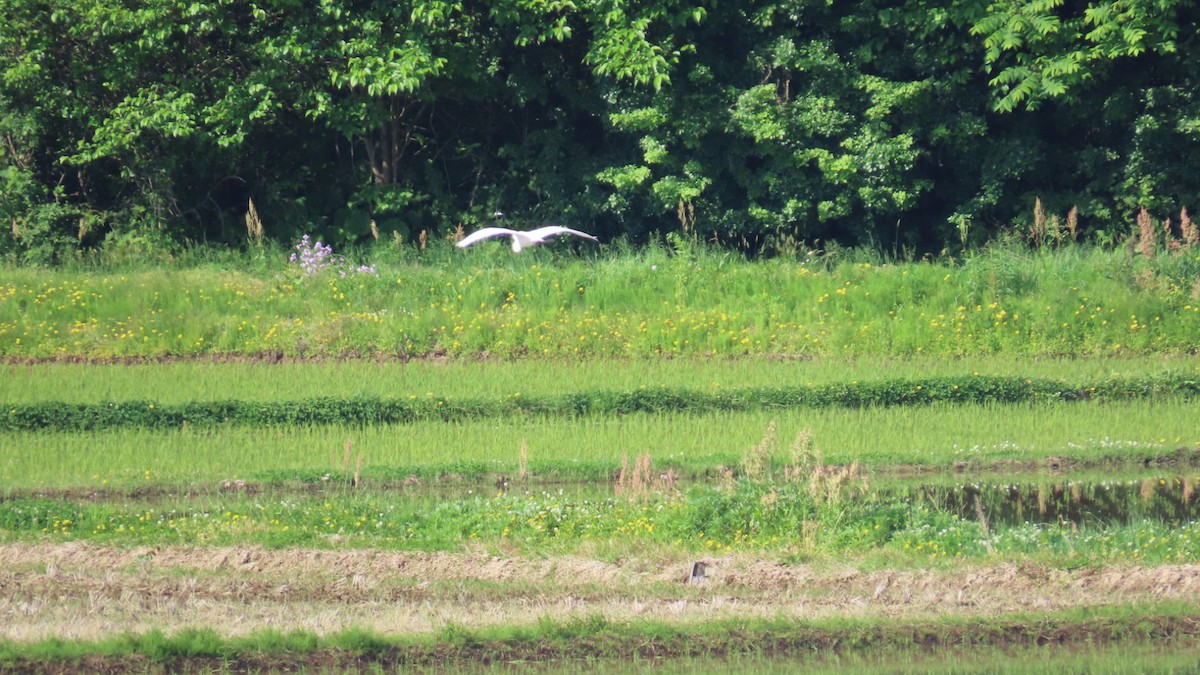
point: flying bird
(521, 239)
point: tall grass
(938, 435)
(1064, 302)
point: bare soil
(84, 591)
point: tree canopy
(754, 124)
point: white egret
(521, 239)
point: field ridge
(63, 416)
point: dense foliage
(771, 123)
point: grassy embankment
(1071, 302)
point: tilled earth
(78, 590)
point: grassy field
(1071, 301)
(593, 428)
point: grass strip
(61, 416)
(1073, 301)
(823, 517)
(244, 378)
(593, 639)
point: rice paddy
(892, 490)
(246, 379)
(934, 438)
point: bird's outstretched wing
(486, 233)
(551, 230)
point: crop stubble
(82, 591)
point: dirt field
(82, 591)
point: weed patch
(1061, 301)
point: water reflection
(1161, 499)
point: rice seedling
(176, 382)
(591, 448)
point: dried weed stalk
(757, 460)
(1191, 233)
(983, 523)
(1052, 229)
(803, 455)
(825, 483)
(356, 476)
(1037, 231)
(1147, 488)
(638, 482)
(1146, 234)
(686, 213)
(1147, 238)
(254, 224)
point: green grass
(179, 382)
(1132, 659)
(932, 436)
(1143, 518)
(1116, 639)
(846, 522)
(1067, 302)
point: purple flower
(314, 257)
